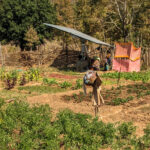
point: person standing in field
(91, 78)
(96, 63)
(108, 61)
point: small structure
(126, 58)
(83, 62)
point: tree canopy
(107, 20)
(16, 16)
(111, 20)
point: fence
(145, 58)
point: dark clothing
(96, 64)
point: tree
(18, 15)
(31, 38)
(90, 16)
(125, 20)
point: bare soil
(61, 76)
(136, 111)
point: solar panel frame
(78, 34)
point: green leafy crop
(24, 127)
(135, 76)
(65, 84)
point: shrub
(65, 84)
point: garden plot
(128, 101)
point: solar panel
(78, 34)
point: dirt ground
(136, 111)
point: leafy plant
(11, 79)
(49, 81)
(65, 84)
(118, 101)
(78, 84)
(33, 74)
(126, 130)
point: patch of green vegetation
(12, 77)
(139, 89)
(135, 76)
(120, 94)
(51, 81)
(118, 101)
(109, 82)
(42, 89)
(79, 84)
(65, 84)
(25, 127)
(147, 93)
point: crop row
(24, 127)
(11, 78)
(135, 76)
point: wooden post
(119, 74)
(147, 58)
(1, 54)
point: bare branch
(118, 8)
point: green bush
(65, 84)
